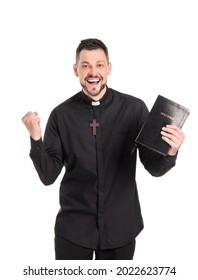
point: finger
(172, 140)
(173, 130)
(29, 116)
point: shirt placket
(100, 170)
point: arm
(156, 164)
(46, 155)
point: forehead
(92, 56)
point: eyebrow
(99, 61)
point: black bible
(163, 112)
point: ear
(75, 70)
(109, 70)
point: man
(93, 134)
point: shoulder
(63, 109)
(128, 99)
(67, 103)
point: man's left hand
(174, 136)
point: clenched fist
(32, 122)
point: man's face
(93, 69)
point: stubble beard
(93, 94)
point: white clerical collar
(95, 103)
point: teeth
(93, 81)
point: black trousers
(66, 250)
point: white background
(153, 48)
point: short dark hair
(91, 44)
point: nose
(93, 71)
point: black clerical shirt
(99, 205)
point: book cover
(163, 112)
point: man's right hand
(32, 123)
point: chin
(94, 93)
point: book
(163, 112)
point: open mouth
(93, 81)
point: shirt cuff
(171, 158)
(36, 145)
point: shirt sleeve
(47, 154)
(156, 164)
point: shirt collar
(105, 99)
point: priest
(92, 135)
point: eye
(100, 65)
